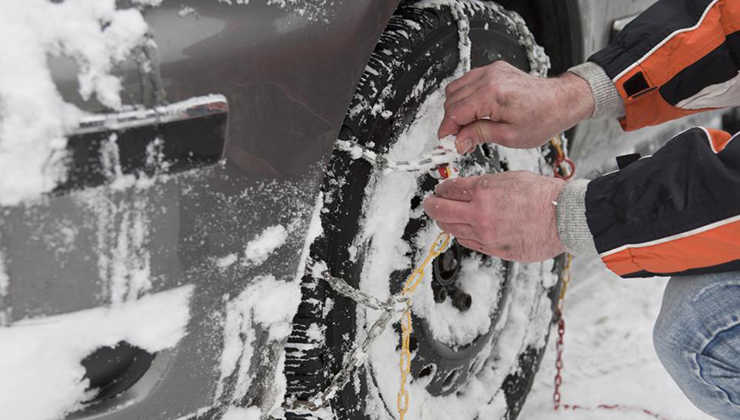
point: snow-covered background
(609, 356)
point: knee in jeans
(719, 362)
(698, 332)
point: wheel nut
(461, 300)
(440, 293)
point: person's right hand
(501, 104)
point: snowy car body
(193, 225)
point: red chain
(560, 346)
(564, 168)
(557, 396)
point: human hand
(501, 104)
(511, 215)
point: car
(211, 209)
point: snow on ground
(609, 356)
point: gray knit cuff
(608, 102)
(571, 218)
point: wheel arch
(555, 26)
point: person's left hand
(510, 215)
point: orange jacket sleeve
(677, 58)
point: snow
(238, 413)
(265, 302)
(4, 279)
(227, 261)
(33, 116)
(311, 10)
(609, 356)
(122, 239)
(525, 315)
(53, 347)
(259, 249)
(187, 11)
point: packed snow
(42, 378)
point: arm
(675, 213)
(677, 58)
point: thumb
(483, 131)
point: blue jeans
(697, 338)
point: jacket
(678, 211)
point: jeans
(697, 338)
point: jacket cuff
(571, 220)
(608, 102)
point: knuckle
(498, 64)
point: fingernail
(466, 145)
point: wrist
(576, 97)
(572, 225)
(606, 99)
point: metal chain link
(560, 347)
(398, 303)
(560, 344)
(563, 166)
(394, 304)
(403, 398)
(438, 157)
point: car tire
(417, 54)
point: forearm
(675, 213)
(676, 59)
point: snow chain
(394, 304)
(399, 303)
(563, 166)
(438, 247)
(560, 347)
(565, 278)
(440, 161)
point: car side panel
(288, 75)
(288, 72)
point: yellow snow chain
(414, 280)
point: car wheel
(480, 323)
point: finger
(471, 244)
(463, 93)
(459, 230)
(474, 107)
(485, 131)
(458, 189)
(447, 211)
(448, 127)
(460, 114)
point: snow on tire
(467, 362)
